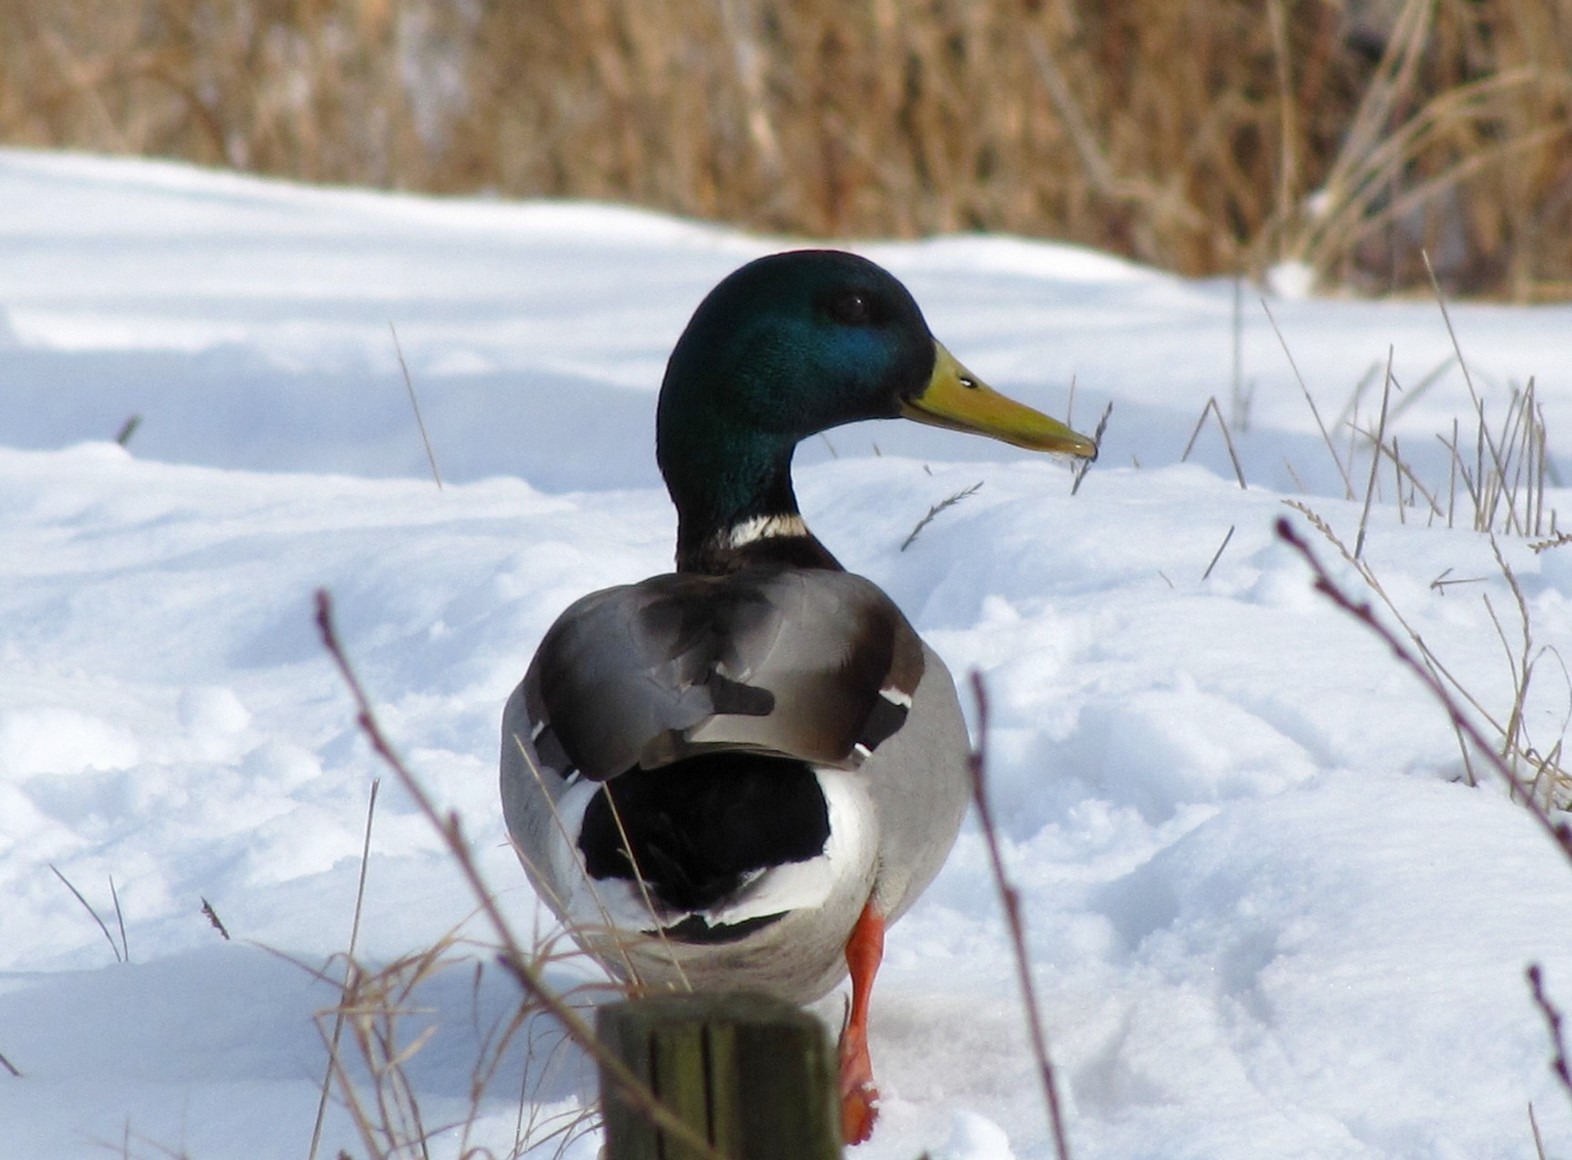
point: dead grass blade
(349, 972)
(1222, 425)
(1085, 465)
(414, 403)
(1218, 555)
(644, 895)
(943, 504)
(1348, 484)
(629, 969)
(121, 954)
(1533, 1127)
(1375, 458)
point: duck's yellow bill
(957, 399)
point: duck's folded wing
(812, 664)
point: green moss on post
(751, 1074)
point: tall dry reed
(1205, 136)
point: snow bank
(1265, 916)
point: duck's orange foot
(859, 1094)
(859, 1109)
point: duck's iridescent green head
(791, 345)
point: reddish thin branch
(976, 764)
(511, 954)
(1553, 1019)
(1559, 832)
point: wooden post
(751, 1074)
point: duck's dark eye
(851, 308)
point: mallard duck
(740, 773)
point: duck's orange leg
(859, 1098)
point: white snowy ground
(1265, 918)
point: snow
(1265, 916)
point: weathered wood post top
(751, 1074)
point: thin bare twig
(1559, 832)
(1441, 583)
(510, 952)
(1553, 1020)
(976, 764)
(1424, 651)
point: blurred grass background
(1207, 137)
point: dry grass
(391, 1017)
(376, 1006)
(122, 949)
(948, 502)
(1496, 483)
(1450, 695)
(1204, 136)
